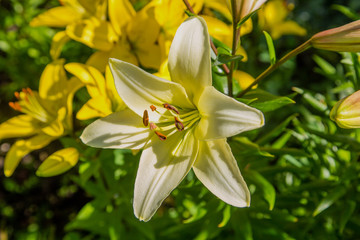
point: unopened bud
(346, 112)
(342, 39)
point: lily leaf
(271, 48)
(330, 199)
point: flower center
(171, 120)
(29, 103)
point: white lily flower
(181, 124)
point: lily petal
(19, 126)
(56, 17)
(222, 116)
(189, 56)
(58, 41)
(120, 13)
(162, 167)
(217, 169)
(21, 148)
(95, 107)
(122, 129)
(139, 89)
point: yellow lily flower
(104, 98)
(181, 124)
(129, 35)
(272, 18)
(47, 115)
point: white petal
(162, 167)
(122, 129)
(217, 169)
(189, 56)
(140, 89)
(222, 116)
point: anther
(171, 107)
(178, 124)
(29, 91)
(161, 136)
(17, 95)
(15, 106)
(146, 118)
(153, 108)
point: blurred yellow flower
(104, 98)
(129, 35)
(47, 114)
(272, 18)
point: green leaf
(244, 19)
(270, 44)
(325, 66)
(275, 131)
(346, 212)
(242, 225)
(265, 101)
(330, 199)
(264, 185)
(226, 216)
(346, 11)
(310, 99)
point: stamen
(17, 95)
(171, 107)
(146, 118)
(161, 136)
(15, 106)
(153, 108)
(153, 126)
(29, 91)
(178, 124)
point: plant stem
(306, 45)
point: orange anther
(153, 108)
(24, 90)
(17, 95)
(29, 91)
(146, 118)
(171, 107)
(161, 136)
(15, 106)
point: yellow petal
(219, 30)
(90, 76)
(58, 41)
(287, 28)
(117, 103)
(58, 162)
(56, 17)
(244, 79)
(121, 13)
(21, 148)
(220, 6)
(164, 71)
(19, 126)
(93, 33)
(99, 60)
(53, 80)
(122, 51)
(95, 107)
(56, 128)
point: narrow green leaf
(264, 185)
(275, 131)
(346, 212)
(226, 216)
(330, 199)
(244, 19)
(271, 48)
(346, 11)
(325, 66)
(310, 99)
(356, 65)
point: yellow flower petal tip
(8, 173)
(58, 162)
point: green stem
(306, 45)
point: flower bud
(244, 7)
(58, 162)
(346, 112)
(342, 39)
